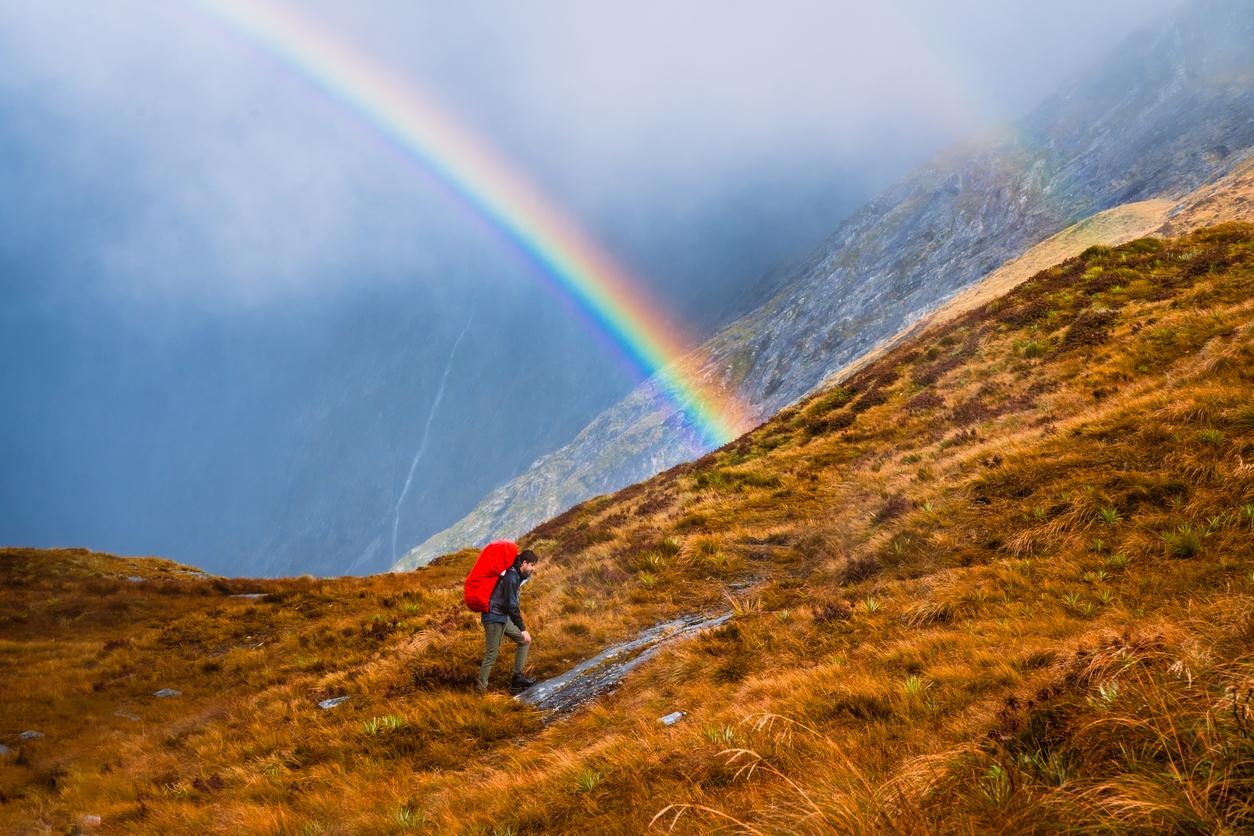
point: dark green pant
(492, 644)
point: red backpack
(491, 564)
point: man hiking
(503, 618)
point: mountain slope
(1161, 117)
(1231, 198)
(1001, 580)
(1111, 227)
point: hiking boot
(520, 683)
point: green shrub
(1211, 436)
(1034, 349)
(834, 399)
(1110, 516)
(1183, 542)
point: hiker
(503, 618)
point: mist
(231, 309)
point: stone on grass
(604, 671)
(332, 703)
(166, 692)
(30, 735)
(672, 718)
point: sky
(227, 303)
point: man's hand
(526, 637)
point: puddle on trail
(605, 670)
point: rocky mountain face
(1172, 109)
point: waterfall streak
(426, 430)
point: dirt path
(602, 672)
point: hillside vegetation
(1000, 579)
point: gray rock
(1165, 113)
(332, 703)
(135, 579)
(672, 718)
(606, 670)
(166, 692)
(250, 595)
(30, 735)
(4, 750)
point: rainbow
(425, 133)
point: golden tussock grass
(1001, 580)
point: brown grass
(985, 621)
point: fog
(230, 306)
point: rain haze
(242, 329)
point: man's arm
(511, 601)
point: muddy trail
(604, 671)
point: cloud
(219, 174)
(214, 172)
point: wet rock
(332, 703)
(30, 734)
(167, 692)
(604, 671)
(672, 718)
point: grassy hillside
(1002, 578)
(1112, 227)
(1229, 198)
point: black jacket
(504, 601)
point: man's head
(526, 562)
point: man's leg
(491, 644)
(520, 652)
